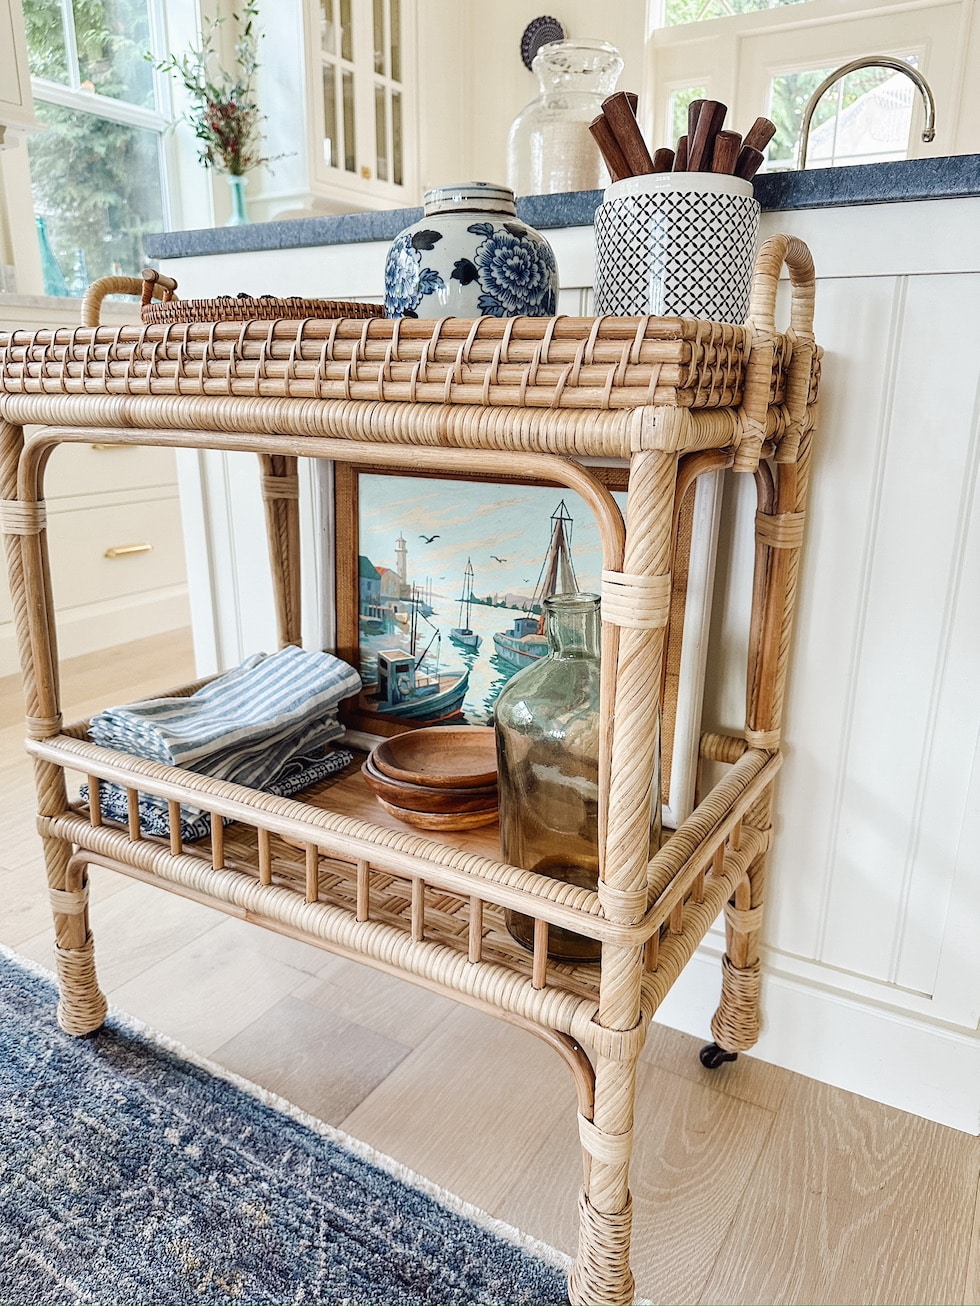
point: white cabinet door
(361, 80)
(16, 102)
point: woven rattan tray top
(561, 362)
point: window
(770, 60)
(680, 99)
(865, 117)
(97, 165)
(696, 11)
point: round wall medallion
(539, 32)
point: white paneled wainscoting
(871, 962)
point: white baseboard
(899, 1058)
(102, 625)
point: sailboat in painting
(526, 642)
(462, 635)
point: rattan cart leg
(82, 1007)
(782, 493)
(636, 602)
(601, 1272)
(735, 1025)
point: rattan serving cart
(529, 398)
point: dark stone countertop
(869, 183)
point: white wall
(496, 85)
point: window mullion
(101, 106)
(71, 44)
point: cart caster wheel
(713, 1056)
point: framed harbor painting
(440, 582)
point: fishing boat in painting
(463, 635)
(405, 690)
(410, 685)
(525, 642)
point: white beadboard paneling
(575, 255)
(816, 1027)
(239, 556)
(885, 240)
(724, 699)
(940, 905)
(957, 990)
(845, 478)
(902, 640)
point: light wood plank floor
(750, 1184)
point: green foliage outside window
(694, 11)
(110, 38)
(96, 181)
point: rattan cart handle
(776, 251)
(152, 285)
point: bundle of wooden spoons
(705, 147)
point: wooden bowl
(423, 798)
(440, 757)
(440, 820)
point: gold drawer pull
(111, 446)
(123, 550)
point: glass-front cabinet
(361, 76)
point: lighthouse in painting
(401, 564)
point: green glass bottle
(547, 724)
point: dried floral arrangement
(224, 114)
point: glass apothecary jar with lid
(550, 148)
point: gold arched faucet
(869, 61)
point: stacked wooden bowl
(437, 778)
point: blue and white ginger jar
(469, 256)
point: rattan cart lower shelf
(673, 399)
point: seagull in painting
(429, 538)
(496, 559)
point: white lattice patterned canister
(676, 243)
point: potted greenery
(223, 112)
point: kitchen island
(871, 979)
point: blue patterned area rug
(131, 1173)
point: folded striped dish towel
(256, 725)
(266, 699)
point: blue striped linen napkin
(256, 725)
(265, 699)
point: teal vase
(239, 213)
(51, 273)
